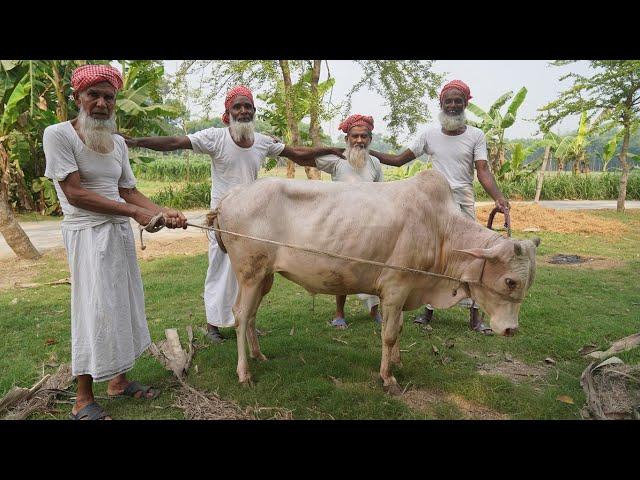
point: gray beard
(241, 130)
(97, 133)
(451, 123)
(357, 157)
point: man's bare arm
(78, 196)
(394, 160)
(306, 156)
(489, 184)
(161, 144)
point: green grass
(567, 186)
(565, 309)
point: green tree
(494, 124)
(15, 93)
(403, 85)
(614, 89)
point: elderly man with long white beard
(237, 153)
(455, 149)
(89, 166)
(357, 166)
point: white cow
(415, 224)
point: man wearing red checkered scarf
(455, 149)
(237, 153)
(90, 169)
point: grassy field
(321, 373)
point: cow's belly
(326, 275)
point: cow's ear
(488, 253)
(536, 241)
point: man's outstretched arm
(161, 144)
(490, 186)
(306, 156)
(394, 160)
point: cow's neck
(464, 234)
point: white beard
(241, 130)
(357, 157)
(451, 123)
(97, 133)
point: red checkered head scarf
(457, 85)
(356, 121)
(85, 76)
(237, 91)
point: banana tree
(494, 124)
(15, 87)
(514, 168)
(573, 148)
(138, 113)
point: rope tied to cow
(153, 227)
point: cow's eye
(511, 283)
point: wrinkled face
(509, 271)
(241, 109)
(98, 100)
(453, 102)
(358, 137)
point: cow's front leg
(390, 333)
(246, 306)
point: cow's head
(498, 279)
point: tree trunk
(622, 195)
(545, 160)
(9, 227)
(292, 126)
(314, 113)
(61, 108)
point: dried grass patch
(532, 217)
(425, 401)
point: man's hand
(174, 218)
(142, 215)
(503, 204)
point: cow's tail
(212, 221)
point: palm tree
(494, 124)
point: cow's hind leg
(252, 338)
(246, 305)
(390, 332)
(395, 351)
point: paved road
(46, 234)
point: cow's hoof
(393, 389)
(246, 381)
(260, 358)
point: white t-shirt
(232, 165)
(101, 173)
(342, 171)
(453, 155)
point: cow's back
(364, 220)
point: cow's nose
(510, 332)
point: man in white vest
(455, 149)
(89, 166)
(237, 153)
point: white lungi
(231, 165)
(108, 323)
(220, 288)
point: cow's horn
(517, 248)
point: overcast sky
(488, 79)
